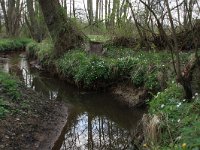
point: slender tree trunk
(70, 8)
(97, 11)
(65, 5)
(74, 10)
(106, 12)
(113, 14)
(33, 27)
(184, 80)
(90, 11)
(0, 25)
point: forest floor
(28, 120)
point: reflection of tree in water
(43, 86)
(89, 132)
(27, 77)
(35, 82)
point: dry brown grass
(151, 129)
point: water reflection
(95, 121)
(98, 122)
(96, 133)
(4, 64)
(27, 77)
(19, 66)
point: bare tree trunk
(113, 14)
(65, 5)
(97, 11)
(64, 33)
(90, 11)
(106, 12)
(33, 25)
(74, 10)
(0, 25)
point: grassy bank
(11, 94)
(179, 121)
(7, 45)
(117, 64)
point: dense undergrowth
(179, 120)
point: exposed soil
(131, 96)
(36, 126)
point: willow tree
(64, 33)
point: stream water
(95, 120)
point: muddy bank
(129, 95)
(34, 126)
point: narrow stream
(95, 120)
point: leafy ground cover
(179, 120)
